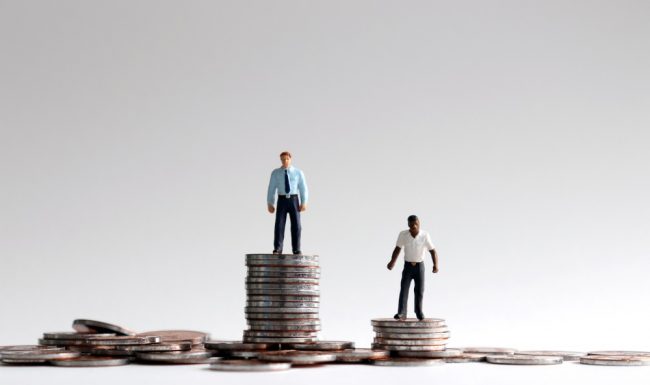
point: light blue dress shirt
(297, 183)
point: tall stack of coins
(413, 338)
(282, 298)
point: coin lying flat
(515, 359)
(490, 351)
(431, 354)
(284, 322)
(292, 316)
(287, 292)
(289, 334)
(75, 336)
(110, 341)
(287, 298)
(293, 328)
(407, 323)
(193, 336)
(285, 304)
(249, 310)
(92, 326)
(234, 345)
(566, 356)
(34, 356)
(618, 360)
(278, 340)
(410, 336)
(281, 286)
(282, 281)
(89, 361)
(188, 357)
(245, 354)
(283, 270)
(162, 347)
(281, 263)
(27, 348)
(322, 345)
(109, 352)
(298, 358)
(438, 329)
(409, 362)
(467, 357)
(282, 257)
(619, 353)
(360, 355)
(404, 342)
(248, 366)
(407, 347)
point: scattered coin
(566, 356)
(516, 359)
(278, 340)
(286, 334)
(89, 361)
(405, 342)
(618, 360)
(447, 353)
(162, 347)
(418, 330)
(467, 357)
(360, 355)
(407, 347)
(75, 336)
(109, 341)
(192, 336)
(409, 362)
(188, 357)
(234, 345)
(322, 346)
(407, 323)
(619, 353)
(489, 351)
(245, 354)
(37, 356)
(92, 326)
(249, 366)
(298, 358)
(442, 335)
(27, 348)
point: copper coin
(36, 355)
(234, 345)
(90, 361)
(360, 355)
(322, 345)
(92, 326)
(110, 341)
(75, 336)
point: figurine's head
(414, 224)
(285, 157)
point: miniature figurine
(414, 242)
(292, 195)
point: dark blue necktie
(287, 188)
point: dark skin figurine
(414, 229)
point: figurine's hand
(302, 208)
(435, 269)
(271, 208)
(390, 266)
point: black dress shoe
(297, 252)
(277, 251)
(400, 317)
(420, 317)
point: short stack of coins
(412, 338)
(282, 298)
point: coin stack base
(411, 338)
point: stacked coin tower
(282, 298)
(411, 337)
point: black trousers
(286, 206)
(409, 273)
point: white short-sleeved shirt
(414, 248)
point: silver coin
(619, 353)
(92, 326)
(489, 351)
(281, 263)
(435, 342)
(566, 356)
(407, 347)
(313, 310)
(322, 346)
(248, 366)
(402, 361)
(89, 361)
(36, 355)
(407, 323)
(300, 334)
(467, 357)
(284, 323)
(282, 257)
(281, 286)
(234, 345)
(283, 269)
(287, 292)
(359, 355)
(284, 298)
(177, 336)
(104, 341)
(289, 281)
(113, 352)
(248, 355)
(412, 336)
(188, 357)
(288, 304)
(162, 347)
(280, 274)
(271, 328)
(410, 330)
(278, 340)
(447, 353)
(617, 360)
(9, 361)
(298, 358)
(27, 348)
(75, 336)
(292, 316)
(515, 359)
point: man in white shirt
(414, 242)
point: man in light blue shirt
(291, 187)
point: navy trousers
(286, 206)
(415, 273)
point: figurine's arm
(303, 190)
(393, 258)
(434, 257)
(270, 194)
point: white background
(137, 138)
